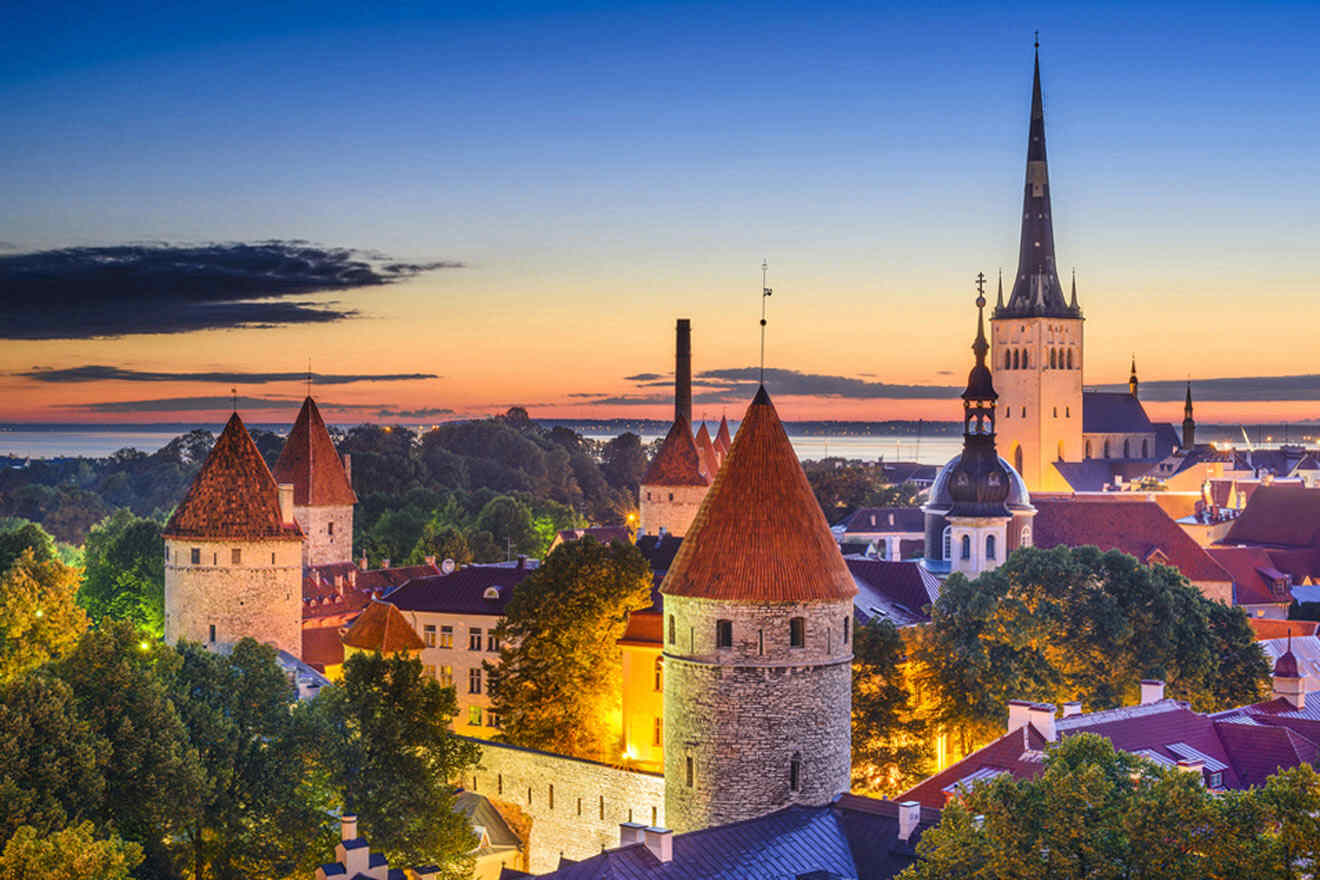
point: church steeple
(980, 484)
(1189, 424)
(1133, 385)
(1036, 289)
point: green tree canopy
(890, 745)
(40, 619)
(69, 854)
(388, 751)
(1078, 624)
(17, 535)
(558, 680)
(125, 571)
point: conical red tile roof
(723, 442)
(234, 494)
(760, 536)
(310, 462)
(710, 459)
(677, 463)
(382, 627)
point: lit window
(428, 635)
(474, 681)
(474, 716)
(446, 637)
(445, 676)
(724, 633)
(797, 632)
(474, 638)
(659, 673)
(428, 670)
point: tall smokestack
(683, 371)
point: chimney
(430, 560)
(1071, 708)
(1018, 714)
(683, 371)
(522, 562)
(1193, 765)
(363, 563)
(1041, 716)
(286, 502)
(385, 563)
(348, 827)
(348, 469)
(631, 833)
(1152, 691)
(660, 841)
(909, 817)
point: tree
(255, 819)
(558, 680)
(39, 617)
(510, 523)
(446, 543)
(18, 535)
(624, 462)
(387, 749)
(890, 749)
(1078, 624)
(125, 574)
(70, 854)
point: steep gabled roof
(723, 441)
(309, 461)
(760, 534)
(233, 496)
(1253, 575)
(677, 463)
(1115, 412)
(382, 627)
(1019, 752)
(710, 459)
(1286, 516)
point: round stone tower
(233, 553)
(757, 643)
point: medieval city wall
(671, 508)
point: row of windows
(1020, 359)
(445, 638)
(442, 674)
(1128, 448)
(991, 544)
(797, 637)
(195, 556)
(649, 498)
(476, 713)
(550, 798)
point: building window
(648, 496)
(212, 639)
(330, 528)
(446, 676)
(1056, 412)
(797, 632)
(671, 496)
(272, 557)
(428, 635)
(492, 720)
(1217, 779)
(846, 622)
(1008, 360)
(659, 673)
(602, 806)
(990, 548)
(724, 633)
(550, 797)
(428, 670)
(795, 772)
(499, 783)
(658, 732)
(474, 638)
(492, 643)
(579, 806)
(215, 558)
(1070, 366)
(1054, 361)
(966, 546)
(1017, 360)
(197, 556)
(689, 774)
(1067, 412)
(654, 819)
(1024, 412)
(446, 637)
(1026, 360)
(236, 556)
(1145, 449)
(673, 637)
(1024, 538)
(1106, 449)
(474, 681)
(1088, 448)
(1126, 450)
(760, 642)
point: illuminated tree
(890, 746)
(70, 854)
(39, 617)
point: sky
(447, 210)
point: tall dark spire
(1132, 378)
(979, 485)
(1189, 423)
(1036, 289)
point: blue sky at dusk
(601, 168)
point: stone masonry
(327, 533)
(671, 508)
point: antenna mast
(765, 293)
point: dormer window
(491, 593)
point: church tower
(1036, 337)
(323, 497)
(233, 552)
(758, 634)
(1189, 423)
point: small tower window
(948, 543)
(689, 775)
(846, 622)
(212, 633)
(797, 632)
(330, 528)
(966, 546)
(990, 548)
(673, 634)
(1024, 538)
(724, 633)
(196, 556)
(795, 772)
(659, 673)
(236, 556)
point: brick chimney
(660, 841)
(1152, 691)
(683, 370)
(1041, 716)
(631, 833)
(1019, 713)
(286, 502)
(909, 817)
(1071, 708)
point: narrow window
(653, 816)
(492, 719)
(795, 772)
(1026, 359)
(760, 642)
(1145, 449)
(671, 496)
(446, 637)
(1056, 412)
(724, 633)
(692, 640)
(529, 795)
(1008, 360)
(474, 782)
(1053, 360)
(330, 528)
(236, 556)
(499, 783)
(579, 806)
(1017, 360)
(1067, 412)
(474, 716)
(272, 557)
(602, 806)
(948, 543)
(215, 558)
(1106, 448)
(474, 638)
(550, 797)
(658, 732)
(797, 632)
(428, 635)
(689, 773)
(672, 635)
(1126, 449)
(846, 621)
(989, 546)
(966, 546)
(1088, 448)
(659, 673)
(197, 556)
(446, 676)
(212, 632)
(474, 681)
(1070, 366)
(1024, 539)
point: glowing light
(144, 645)
(40, 613)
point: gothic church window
(797, 632)
(1017, 360)
(966, 546)
(1008, 360)
(990, 548)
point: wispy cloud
(409, 413)
(88, 292)
(202, 403)
(102, 373)
(1246, 388)
(645, 377)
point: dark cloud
(86, 292)
(100, 373)
(937, 373)
(645, 377)
(413, 413)
(1247, 388)
(8, 246)
(742, 381)
(218, 402)
(586, 394)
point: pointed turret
(999, 302)
(1189, 423)
(323, 496)
(710, 457)
(678, 461)
(723, 441)
(674, 484)
(979, 484)
(1133, 384)
(1073, 305)
(1036, 288)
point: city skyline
(591, 174)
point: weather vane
(765, 292)
(1037, 38)
(234, 393)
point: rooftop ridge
(1121, 713)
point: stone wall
(575, 806)
(671, 508)
(743, 714)
(258, 596)
(327, 533)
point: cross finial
(1037, 38)
(234, 393)
(765, 293)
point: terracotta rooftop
(309, 461)
(1139, 528)
(1287, 516)
(760, 535)
(233, 496)
(1267, 628)
(677, 463)
(1017, 752)
(1254, 576)
(723, 441)
(382, 627)
(710, 459)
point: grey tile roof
(1114, 412)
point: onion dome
(1286, 665)
(310, 462)
(677, 463)
(760, 535)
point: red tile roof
(309, 461)
(1258, 751)
(1019, 752)
(1137, 527)
(710, 459)
(760, 535)
(644, 628)
(321, 647)
(233, 496)
(1253, 575)
(723, 442)
(1286, 516)
(1266, 628)
(677, 463)
(324, 599)
(382, 627)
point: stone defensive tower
(323, 496)
(757, 642)
(233, 552)
(1036, 344)
(677, 479)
